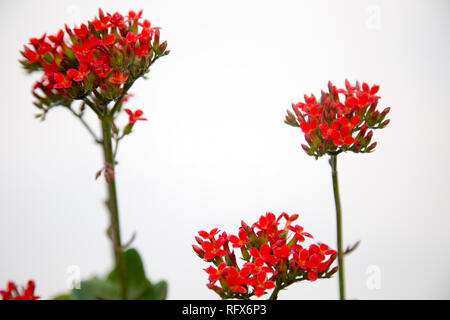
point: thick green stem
(112, 204)
(337, 200)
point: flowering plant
(94, 66)
(332, 125)
(13, 292)
(274, 257)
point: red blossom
(134, 116)
(102, 24)
(119, 78)
(239, 242)
(272, 249)
(333, 123)
(213, 250)
(80, 74)
(58, 39)
(133, 16)
(61, 81)
(260, 283)
(299, 233)
(12, 292)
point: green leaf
(160, 290)
(138, 286)
(134, 268)
(62, 297)
(155, 292)
(96, 289)
(134, 273)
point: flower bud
(306, 148)
(333, 271)
(199, 240)
(199, 251)
(372, 146)
(385, 123)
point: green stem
(274, 295)
(113, 206)
(337, 200)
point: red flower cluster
(333, 124)
(99, 60)
(13, 293)
(274, 257)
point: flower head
(339, 120)
(135, 116)
(12, 292)
(98, 60)
(271, 254)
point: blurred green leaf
(96, 289)
(138, 286)
(62, 297)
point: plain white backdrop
(215, 149)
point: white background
(215, 149)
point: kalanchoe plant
(13, 292)
(343, 119)
(91, 68)
(273, 256)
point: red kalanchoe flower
(267, 249)
(61, 81)
(236, 280)
(80, 74)
(216, 274)
(119, 78)
(239, 242)
(12, 292)
(133, 16)
(102, 24)
(322, 250)
(135, 116)
(31, 55)
(299, 233)
(257, 266)
(260, 283)
(213, 250)
(335, 123)
(106, 50)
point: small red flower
(267, 222)
(109, 40)
(135, 116)
(213, 250)
(119, 78)
(80, 74)
(241, 241)
(131, 37)
(257, 266)
(61, 81)
(31, 55)
(322, 250)
(263, 252)
(81, 32)
(299, 233)
(13, 293)
(58, 40)
(102, 24)
(260, 283)
(133, 16)
(236, 280)
(216, 274)
(308, 127)
(282, 252)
